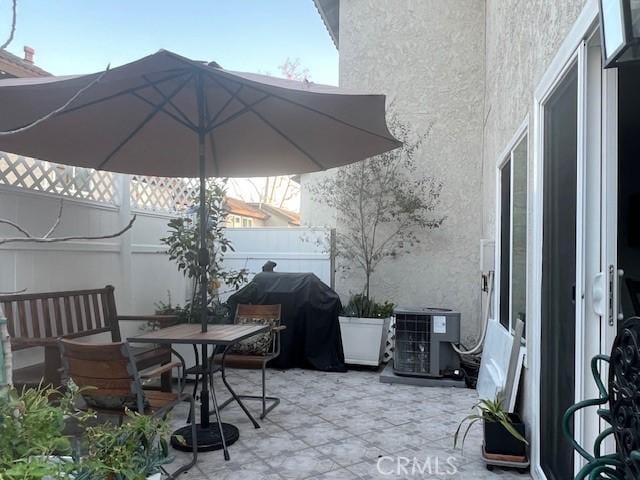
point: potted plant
(504, 432)
(363, 325)
(32, 440)
(135, 450)
(183, 241)
(383, 206)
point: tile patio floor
(337, 425)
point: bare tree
(382, 204)
(293, 70)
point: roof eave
(329, 11)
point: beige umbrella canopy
(146, 118)
(167, 115)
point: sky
(83, 36)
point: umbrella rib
(163, 95)
(175, 117)
(219, 112)
(237, 114)
(144, 122)
(276, 129)
(120, 93)
(319, 112)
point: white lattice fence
(41, 176)
(163, 194)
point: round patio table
(220, 337)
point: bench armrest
(24, 342)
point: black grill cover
(310, 311)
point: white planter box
(363, 339)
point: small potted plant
(32, 440)
(364, 324)
(504, 432)
(135, 450)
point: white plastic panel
(495, 361)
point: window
(513, 235)
(247, 222)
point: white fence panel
(301, 249)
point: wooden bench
(40, 319)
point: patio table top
(191, 333)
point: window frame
(504, 159)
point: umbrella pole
(203, 253)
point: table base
(209, 438)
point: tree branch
(12, 32)
(16, 226)
(56, 223)
(57, 110)
(66, 239)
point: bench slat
(22, 319)
(57, 314)
(78, 312)
(35, 318)
(47, 318)
(67, 312)
(87, 312)
(96, 308)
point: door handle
(620, 315)
(597, 294)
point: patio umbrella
(167, 115)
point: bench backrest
(35, 317)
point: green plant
(363, 307)
(384, 204)
(487, 411)
(132, 451)
(32, 430)
(183, 241)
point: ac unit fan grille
(413, 344)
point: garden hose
(478, 346)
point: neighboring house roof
(292, 218)
(238, 207)
(13, 66)
(330, 12)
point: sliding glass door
(558, 307)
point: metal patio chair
(114, 385)
(256, 352)
(618, 406)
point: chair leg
(275, 401)
(194, 437)
(218, 419)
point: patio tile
(303, 464)
(351, 451)
(273, 445)
(336, 426)
(319, 434)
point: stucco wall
(427, 56)
(522, 37)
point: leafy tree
(184, 241)
(382, 204)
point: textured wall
(428, 58)
(522, 37)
